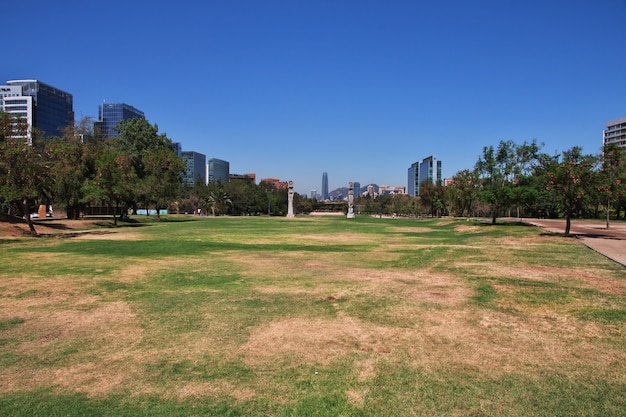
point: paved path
(609, 242)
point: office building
(391, 189)
(429, 169)
(46, 108)
(14, 103)
(615, 132)
(218, 171)
(356, 186)
(324, 186)
(194, 167)
(110, 115)
(177, 147)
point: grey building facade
(218, 171)
(615, 132)
(194, 167)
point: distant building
(357, 189)
(429, 169)
(110, 115)
(194, 167)
(46, 108)
(251, 178)
(391, 190)
(280, 185)
(177, 147)
(313, 194)
(324, 186)
(615, 132)
(218, 171)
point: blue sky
(357, 88)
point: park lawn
(266, 316)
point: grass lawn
(309, 317)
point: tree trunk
(29, 222)
(568, 221)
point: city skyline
(359, 90)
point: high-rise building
(46, 108)
(14, 103)
(429, 169)
(177, 147)
(194, 167)
(357, 189)
(324, 186)
(615, 132)
(110, 115)
(218, 171)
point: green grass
(310, 317)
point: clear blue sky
(357, 88)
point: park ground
(308, 316)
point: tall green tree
(613, 177)
(24, 171)
(162, 177)
(463, 192)
(151, 155)
(113, 183)
(495, 168)
(571, 177)
(73, 159)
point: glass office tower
(324, 186)
(111, 114)
(219, 171)
(194, 167)
(53, 109)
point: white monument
(351, 201)
(290, 196)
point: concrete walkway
(609, 242)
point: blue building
(195, 170)
(111, 114)
(52, 109)
(324, 186)
(429, 169)
(219, 171)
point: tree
(495, 170)
(570, 179)
(217, 201)
(73, 159)
(113, 182)
(24, 173)
(463, 192)
(162, 177)
(138, 140)
(613, 177)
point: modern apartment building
(111, 114)
(46, 108)
(218, 171)
(615, 132)
(428, 169)
(194, 167)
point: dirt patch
(315, 340)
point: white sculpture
(351, 201)
(290, 196)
